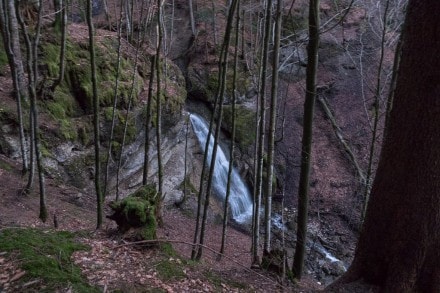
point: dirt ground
(112, 263)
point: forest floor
(113, 264)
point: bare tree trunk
(223, 62)
(214, 22)
(399, 246)
(57, 5)
(262, 124)
(95, 116)
(193, 22)
(272, 128)
(130, 102)
(115, 103)
(148, 121)
(63, 28)
(32, 68)
(376, 107)
(309, 107)
(231, 150)
(159, 110)
(10, 35)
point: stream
(240, 201)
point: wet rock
(10, 146)
(336, 268)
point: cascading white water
(240, 201)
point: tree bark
(223, 69)
(159, 109)
(261, 127)
(233, 131)
(306, 148)
(10, 35)
(272, 128)
(95, 116)
(148, 121)
(399, 247)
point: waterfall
(240, 201)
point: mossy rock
(80, 170)
(121, 118)
(77, 79)
(136, 214)
(204, 83)
(173, 96)
(199, 89)
(245, 121)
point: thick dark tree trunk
(306, 144)
(399, 247)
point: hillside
(348, 62)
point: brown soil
(113, 263)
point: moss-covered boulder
(136, 214)
(245, 118)
(204, 82)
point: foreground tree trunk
(399, 247)
(306, 144)
(95, 116)
(11, 43)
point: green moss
(190, 188)
(46, 255)
(78, 171)
(217, 281)
(118, 131)
(245, 120)
(67, 130)
(173, 97)
(170, 269)
(8, 114)
(243, 82)
(138, 211)
(135, 210)
(3, 56)
(5, 165)
(77, 80)
(84, 135)
(168, 249)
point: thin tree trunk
(8, 22)
(306, 148)
(272, 129)
(191, 15)
(214, 22)
(63, 24)
(261, 127)
(95, 116)
(127, 114)
(32, 68)
(159, 110)
(148, 121)
(376, 108)
(115, 103)
(220, 96)
(231, 150)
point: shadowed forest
(219, 146)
